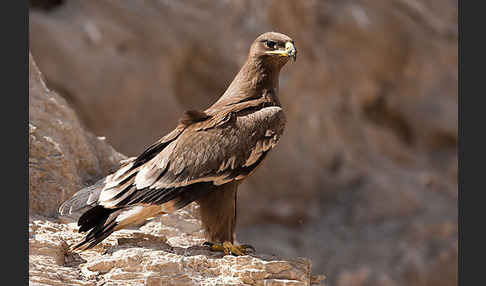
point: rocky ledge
(165, 251)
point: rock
(144, 259)
(364, 180)
(63, 157)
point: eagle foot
(229, 248)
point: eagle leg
(218, 218)
(229, 248)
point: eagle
(203, 160)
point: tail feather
(100, 222)
(81, 201)
(93, 217)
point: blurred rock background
(364, 180)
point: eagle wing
(203, 151)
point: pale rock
(145, 259)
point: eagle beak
(289, 51)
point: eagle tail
(100, 221)
(81, 201)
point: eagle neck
(254, 80)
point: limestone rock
(63, 157)
(155, 254)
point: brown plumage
(203, 159)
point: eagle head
(275, 47)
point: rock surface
(364, 180)
(155, 254)
(63, 157)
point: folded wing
(196, 155)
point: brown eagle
(203, 159)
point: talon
(214, 246)
(248, 247)
(208, 244)
(229, 248)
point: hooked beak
(289, 51)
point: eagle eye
(270, 44)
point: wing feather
(194, 154)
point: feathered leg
(218, 218)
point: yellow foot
(229, 248)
